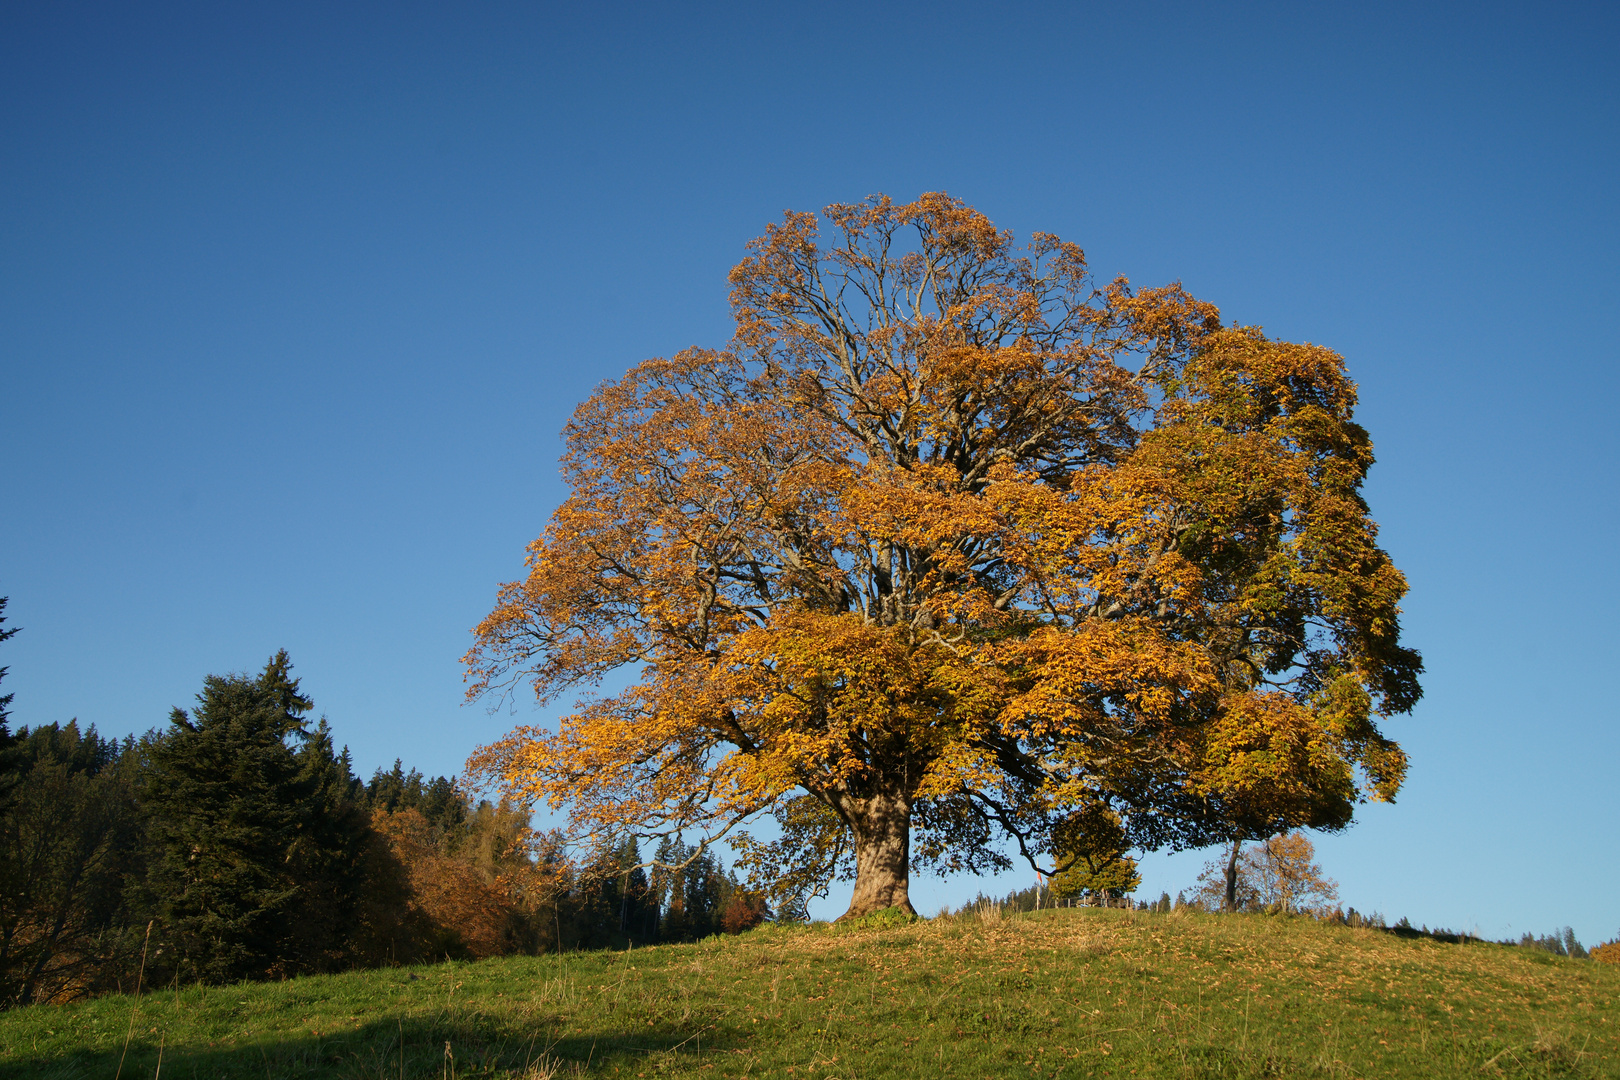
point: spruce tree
(327, 858)
(392, 791)
(692, 898)
(5, 700)
(9, 763)
(437, 800)
(228, 799)
(637, 906)
(68, 850)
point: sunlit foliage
(1278, 874)
(955, 541)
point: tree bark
(1231, 876)
(882, 828)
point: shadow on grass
(388, 1049)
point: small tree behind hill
(1277, 875)
(1093, 844)
(1559, 943)
(1287, 879)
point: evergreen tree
(394, 790)
(68, 847)
(437, 800)
(5, 699)
(692, 897)
(611, 904)
(327, 859)
(637, 906)
(706, 894)
(442, 805)
(669, 889)
(8, 761)
(228, 799)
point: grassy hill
(1066, 993)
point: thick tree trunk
(882, 827)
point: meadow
(1070, 993)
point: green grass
(1067, 993)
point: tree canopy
(958, 544)
(1094, 846)
(256, 836)
(1278, 874)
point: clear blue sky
(294, 301)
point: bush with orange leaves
(744, 912)
(1607, 953)
(462, 909)
(489, 884)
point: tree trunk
(1231, 877)
(882, 827)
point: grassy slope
(1066, 993)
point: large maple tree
(951, 547)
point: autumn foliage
(955, 545)
(1279, 874)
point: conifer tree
(8, 761)
(437, 800)
(67, 849)
(327, 860)
(691, 891)
(637, 907)
(5, 699)
(229, 799)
